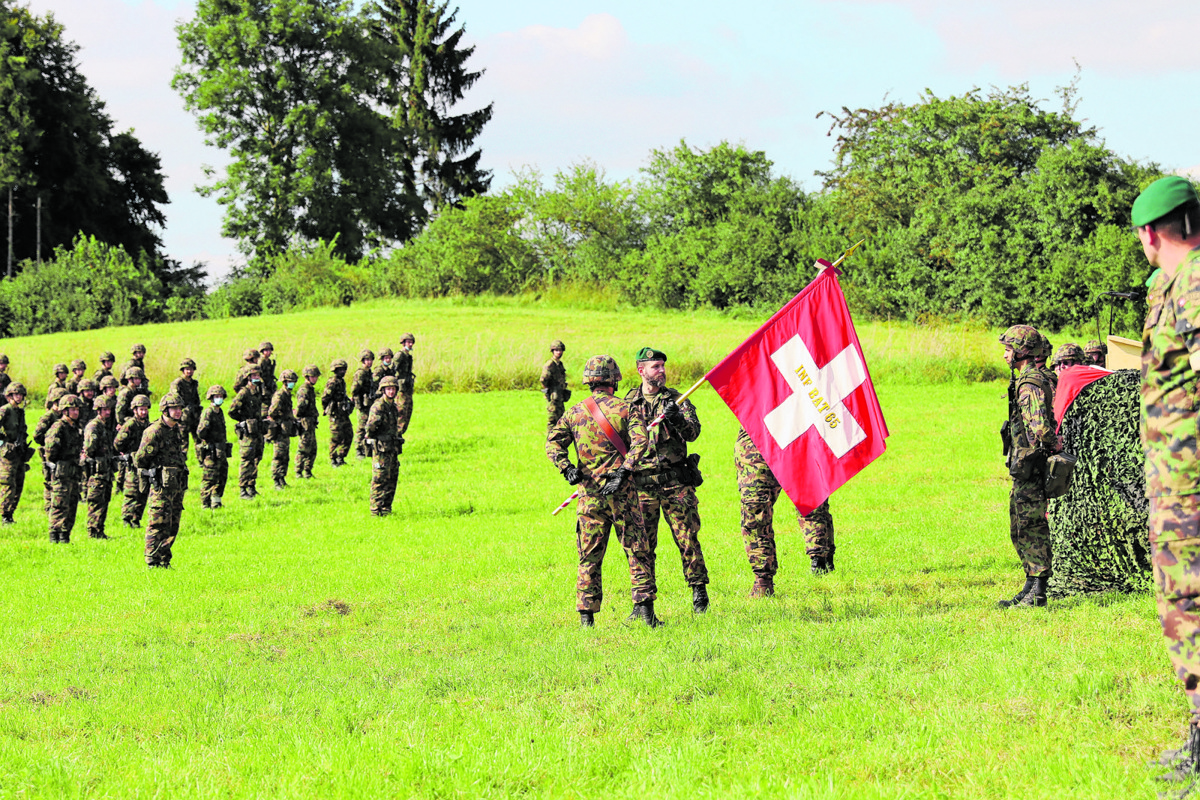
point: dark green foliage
(1099, 527)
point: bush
(239, 296)
(309, 275)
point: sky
(609, 82)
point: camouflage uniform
(59, 382)
(188, 390)
(64, 442)
(5, 378)
(246, 411)
(99, 459)
(266, 368)
(307, 419)
(1095, 353)
(78, 371)
(212, 451)
(1031, 420)
(162, 454)
(386, 445)
(362, 392)
(661, 478)
(129, 436)
(598, 513)
(104, 371)
(386, 367)
(337, 406)
(125, 397)
(87, 396)
(404, 375)
(758, 490)
(15, 453)
(39, 437)
(554, 386)
(250, 357)
(137, 359)
(281, 427)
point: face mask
(218, 400)
(291, 385)
(256, 381)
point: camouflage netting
(1099, 526)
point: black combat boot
(246, 494)
(280, 483)
(64, 537)
(1172, 758)
(1036, 596)
(829, 559)
(1186, 762)
(53, 536)
(216, 502)
(763, 587)
(820, 565)
(587, 619)
(1019, 596)
(645, 613)
(7, 521)
(699, 599)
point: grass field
(300, 647)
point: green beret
(650, 354)
(1161, 198)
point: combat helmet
(339, 365)
(1069, 354)
(107, 356)
(408, 337)
(88, 385)
(137, 348)
(170, 400)
(108, 381)
(600, 370)
(386, 353)
(141, 401)
(15, 388)
(216, 390)
(61, 368)
(250, 355)
(289, 375)
(1025, 341)
(1095, 348)
(266, 346)
(104, 401)
(363, 355)
(312, 370)
(557, 344)
(1044, 351)
(389, 380)
(187, 363)
(3, 358)
(78, 364)
(54, 395)
(69, 401)
(135, 372)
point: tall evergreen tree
(427, 78)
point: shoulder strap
(590, 404)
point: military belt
(663, 477)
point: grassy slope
(459, 670)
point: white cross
(817, 397)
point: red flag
(800, 387)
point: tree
(293, 89)
(427, 78)
(59, 145)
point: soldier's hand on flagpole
(671, 412)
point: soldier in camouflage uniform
(1066, 356)
(307, 418)
(15, 451)
(162, 461)
(386, 445)
(137, 359)
(407, 381)
(665, 478)
(607, 498)
(5, 378)
(362, 392)
(758, 490)
(39, 437)
(133, 380)
(385, 368)
(250, 359)
(64, 443)
(1095, 353)
(59, 382)
(78, 369)
(281, 427)
(86, 391)
(266, 368)
(1030, 440)
(213, 449)
(246, 411)
(554, 384)
(107, 360)
(188, 389)
(337, 405)
(99, 458)
(126, 442)
(1166, 216)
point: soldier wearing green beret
(554, 384)
(1166, 218)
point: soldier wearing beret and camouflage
(129, 436)
(307, 419)
(213, 449)
(1030, 440)
(39, 437)
(386, 445)
(1066, 356)
(665, 477)
(281, 427)
(337, 405)
(15, 451)
(188, 389)
(59, 382)
(758, 490)
(137, 359)
(162, 461)
(99, 459)
(246, 411)
(1166, 217)
(64, 443)
(249, 362)
(266, 368)
(362, 392)
(554, 384)
(1095, 352)
(609, 439)
(107, 360)
(407, 382)
(78, 369)
(5, 378)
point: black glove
(614, 481)
(571, 473)
(672, 412)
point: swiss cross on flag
(800, 387)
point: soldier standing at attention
(59, 382)
(87, 396)
(665, 478)
(5, 378)
(249, 359)
(1166, 216)
(383, 369)
(337, 406)
(137, 359)
(132, 378)
(554, 384)
(385, 443)
(98, 458)
(407, 382)
(162, 460)
(129, 436)
(609, 439)
(1031, 431)
(78, 368)
(307, 419)
(1095, 352)
(107, 360)
(15, 451)
(64, 443)
(266, 368)
(213, 449)
(281, 427)
(246, 411)
(39, 437)
(362, 392)
(188, 389)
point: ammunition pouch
(685, 473)
(13, 452)
(64, 470)
(247, 428)
(1026, 462)
(1059, 469)
(346, 406)
(172, 479)
(1006, 437)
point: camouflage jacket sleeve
(211, 428)
(403, 364)
(1039, 427)
(43, 427)
(381, 422)
(334, 392)
(96, 442)
(129, 436)
(306, 401)
(638, 442)
(161, 446)
(246, 405)
(12, 424)
(59, 441)
(281, 406)
(361, 387)
(558, 443)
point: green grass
(302, 648)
